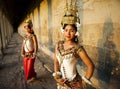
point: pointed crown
(28, 22)
(70, 15)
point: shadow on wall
(108, 56)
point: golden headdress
(28, 22)
(70, 15)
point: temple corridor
(98, 33)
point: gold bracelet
(86, 80)
(57, 75)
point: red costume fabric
(29, 67)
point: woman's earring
(76, 39)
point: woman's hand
(34, 55)
(61, 81)
(23, 55)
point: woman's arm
(35, 44)
(57, 74)
(90, 66)
(22, 50)
(56, 63)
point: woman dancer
(28, 52)
(67, 53)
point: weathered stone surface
(12, 74)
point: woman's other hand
(23, 55)
(34, 55)
(61, 81)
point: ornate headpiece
(28, 22)
(70, 15)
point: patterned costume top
(68, 60)
(28, 44)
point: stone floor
(11, 69)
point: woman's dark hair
(75, 39)
(29, 26)
(73, 25)
(31, 30)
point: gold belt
(28, 54)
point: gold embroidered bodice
(28, 44)
(68, 59)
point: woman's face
(69, 32)
(27, 29)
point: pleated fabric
(29, 67)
